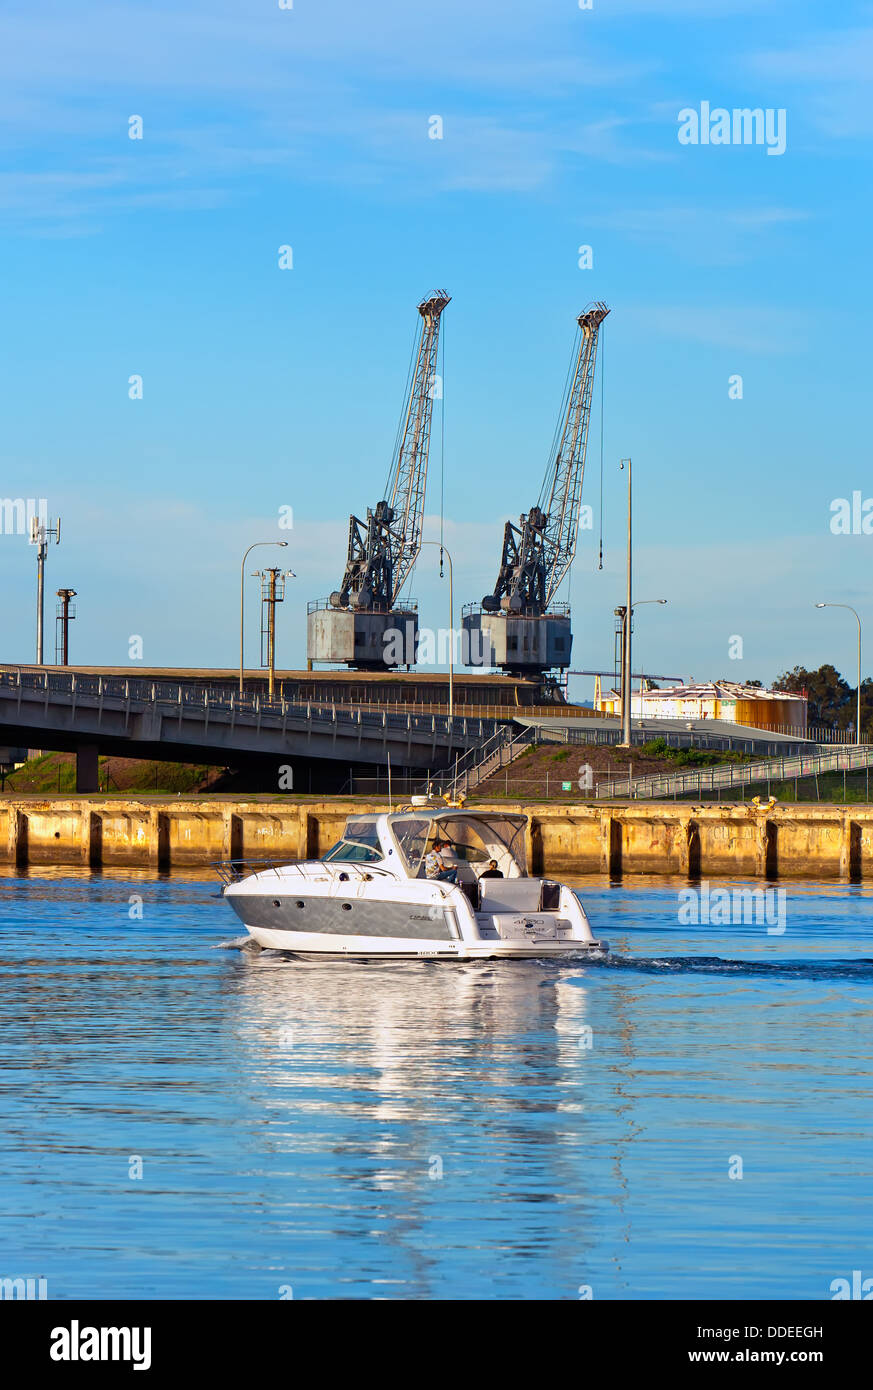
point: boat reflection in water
(425, 1099)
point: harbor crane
(353, 626)
(519, 628)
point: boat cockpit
(398, 843)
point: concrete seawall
(638, 838)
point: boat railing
(233, 870)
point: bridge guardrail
(177, 697)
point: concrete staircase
(502, 748)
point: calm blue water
(421, 1130)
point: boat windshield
(412, 833)
(472, 841)
(360, 842)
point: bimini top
(399, 841)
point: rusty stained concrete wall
(637, 838)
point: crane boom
(562, 489)
(383, 549)
(539, 551)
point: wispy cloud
(693, 9)
(835, 71)
(329, 93)
(826, 57)
(704, 235)
(752, 328)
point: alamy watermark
(16, 514)
(716, 125)
(859, 1288)
(435, 646)
(733, 907)
(77, 1343)
(852, 518)
(24, 1286)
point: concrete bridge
(135, 718)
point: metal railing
(233, 870)
(736, 775)
(481, 761)
(322, 605)
(673, 738)
(818, 733)
(504, 713)
(556, 610)
(252, 705)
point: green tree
(830, 697)
(866, 707)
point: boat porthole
(276, 902)
(347, 907)
(300, 902)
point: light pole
(40, 534)
(858, 620)
(242, 576)
(621, 613)
(65, 614)
(626, 644)
(444, 551)
(638, 604)
(272, 592)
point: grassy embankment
(55, 773)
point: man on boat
(492, 871)
(436, 867)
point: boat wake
(860, 969)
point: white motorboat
(370, 895)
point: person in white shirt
(436, 867)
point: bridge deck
(137, 717)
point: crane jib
(538, 552)
(381, 555)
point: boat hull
(398, 948)
(293, 916)
(411, 929)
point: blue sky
(263, 388)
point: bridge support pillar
(767, 849)
(308, 836)
(850, 850)
(87, 775)
(232, 841)
(610, 845)
(16, 851)
(159, 840)
(92, 848)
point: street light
(444, 551)
(272, 592)
(626, 633)
(621, 612)
(242, 575)
(41, 531)
(858, 620)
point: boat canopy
(473, 838)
